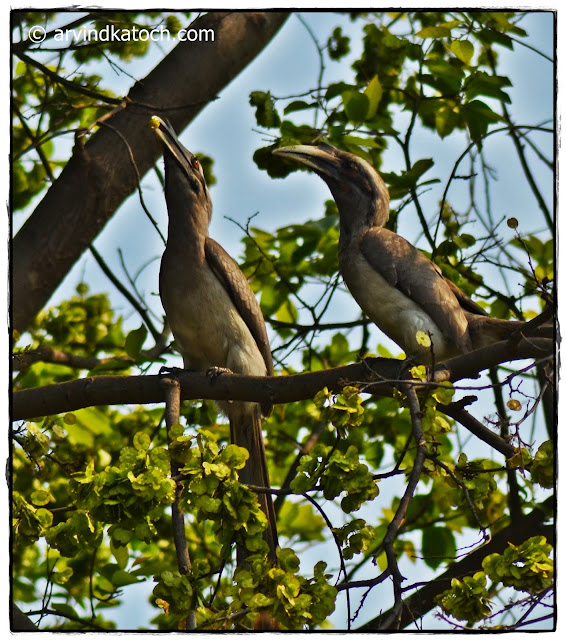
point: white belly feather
(392, 311)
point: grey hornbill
(211, 309)
(396, 285)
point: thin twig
(342, 563)
(172, 414)
(400, 514)
(124, 291)
(138, 178)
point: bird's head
(185, 185)
(358, 190)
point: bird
(211, 309)
(399, 289)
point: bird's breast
(206, 325)
(395, 313)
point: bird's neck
(356, 221)
(188, 229)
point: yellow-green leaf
(433, 32)
(419, 372)
(463, 50)
(423, 339)
(373, 91)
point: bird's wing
(406, 268)
(465, 301)
(237, 287)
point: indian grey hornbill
(212, 311)
(396, 285)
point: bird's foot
(441, 375)
(214, 372)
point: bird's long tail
(485, 330)
(245, 431)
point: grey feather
(410, 271)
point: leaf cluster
(526, 567)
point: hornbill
(213, 313)
(397, 286)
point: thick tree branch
(111, 390)
(99, 176)
(471, 364)
(375, 375)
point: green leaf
(121, 578)
(337, 89)
(338, 44)
(134, 341)
(287, 312)
(374, 92)
(542, 468)
(438, 546)
(478, 116)
(467, 599)
(142, 441)
(266, 114)
(446, 120)
(300, 520)
(276, 166)
(463, 50)
(359, 141)
(481, 83)
(120, 553)
(401, 184)
(298, 105)
(447, 77)
(444, 393)
(65, 609)
(288, 560)
(433, 32)
(91, 421)
(40, 497)
(356, 105)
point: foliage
(526, 567)
(92, 489)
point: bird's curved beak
(322, 158)
(168, 137)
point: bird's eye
(196, 163)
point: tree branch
(473, 425)
(172, 416)
(393, 621)
(24, 359)
(377, 375)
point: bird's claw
(214, 372)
